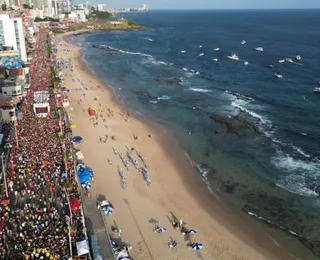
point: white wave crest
(164, 97)
(202, 90)
(300, 173)
(128, 52)
(148, 39)
(153, 101)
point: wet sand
(176, 186)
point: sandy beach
(176, 187)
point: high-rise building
(12, 35)
(145, 7)
(49, 8)
(64, 6)
(102, 7)
(37, 4)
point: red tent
(75, 205)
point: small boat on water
(246, 63)
(233, 57)
(243, 42)
(201, 54)
(200, 46)
(278, 75)
(298, 57)
(316, 90)
(183, 51)
(289, 60)
(270, 66)
(281, 61)
(259, 49)
(215, 59)
(216, 49)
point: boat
(281, 61)
(215, 59)
(259, 49)
(200, 46)
(201, 54)
(243, 42)
(183, 51)
(298, 57)
(233, 57)
(289, 60)
(316, 90)
(270, 66)
(216, 49)
(246, 63)
(278, 75)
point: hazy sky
(210, 4)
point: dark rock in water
(173, 82)
(229, 187)
(236, 125)
(217, 132)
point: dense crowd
(36, 216)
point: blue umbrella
(77, 139)
(108, 209)
(160, 230)
(64, 176)
(191, 231)
(196, 246)
(86, 185)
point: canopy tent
(79, 155)
(84, 176)
(82, 247)
(196, 246)
(75, 204)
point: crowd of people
(37, 221)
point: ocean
(254, 138)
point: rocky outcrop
(237, 125)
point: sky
(211, 4)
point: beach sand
(176, 187)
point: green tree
(26, 6)
(4, 7)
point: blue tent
(84, 176)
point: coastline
(232, 235)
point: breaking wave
(202, 90)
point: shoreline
(234, 227)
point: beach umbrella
(86, 185)
(64, 176)
(191, 231)
(160, 230)
(73, 126)
(108, 209)
(77, 139)
(196, 246)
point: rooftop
(8, 102)
(11, 82)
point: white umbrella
(191, 231)
(86, 185)
(196, 246)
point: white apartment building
(37, 13)
(12, 87)
(102, 7)
(12, 35)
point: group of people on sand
(35, 212)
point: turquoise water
(273, 174)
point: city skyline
(209, 4)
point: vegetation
(4, 7)
(100, 14)
(26, 6)
(132, 23)
(56, 31)
(46, 19)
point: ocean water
(271, 174)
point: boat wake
(148, 39)
(107, 47)
(164, 97)
(202, 90)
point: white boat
(246, 63)
(215, 59)
(216, 49)
(259, 49)
(316, 90)
(243, 42)
(200, 46)
(233, 57)
(298, 57)
(270, 66)
(201, 54)
(278, 75)
(281, 61)
(183, 51)
(289, 60)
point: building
(37, 4)
(8, 109)
(101, 8)
(12, 87)
(145, 7)
(64, 6)
(37, 13)
(78, 16)
(10, 59)
(9, 40)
